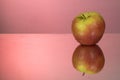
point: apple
(88, 28)
(88, 59)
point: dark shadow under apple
(88, 59)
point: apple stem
(83, 16)
(83, 74)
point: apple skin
(88, 28)
(88, 59)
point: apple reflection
(88, 59)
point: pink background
(53, 16)
(49, 57)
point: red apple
(88, 59)
(88, 28)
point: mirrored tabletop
(58, 57)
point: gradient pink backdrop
(53, 16)
(49, 57)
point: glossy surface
(49, 57)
